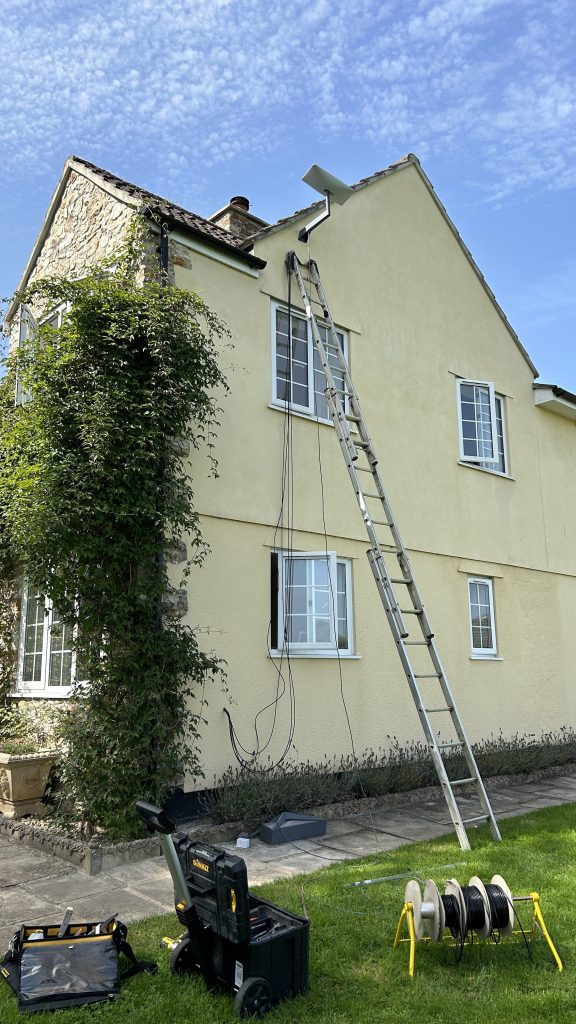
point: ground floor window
(46, 656)
(311, 603)
(482, 624)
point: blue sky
(200, 100)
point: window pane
(483, 638)
(500, 466)
(34, 625)
(321, 602)
(298, 629)
(321, 574)
(296, 571)
(322, 631)
(342, 607)
(291, 361)
(60, 661)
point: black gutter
(253, 261)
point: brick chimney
(236, 217)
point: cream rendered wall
(418, 317)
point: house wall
(418, 317)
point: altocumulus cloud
(213, 80)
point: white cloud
(189, 84)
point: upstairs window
(311, 603)
(27, 328)
(299, 378)
(482, 426)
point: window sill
(314, 656)
(482, 469)
(281, 407)
(485, 657)
(41, 695)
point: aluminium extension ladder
(418, 641)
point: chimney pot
(241, 202)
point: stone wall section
(88, 227)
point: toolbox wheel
(253, 998)
(182, 960)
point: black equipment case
(237, 941)
(47, 972)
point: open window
(26, 328)
(310, 603)
(477, 420)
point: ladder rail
(352, 449)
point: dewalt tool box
(239, 942)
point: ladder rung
(387, 547)
(416, 643)
(382, 522)
(461, 782)
(355, 419)
(444, 746)
(480, 817)
(412, 611)
(428, 675)
(362, 469)
(378, 496)
(433, 711)
(400, 580)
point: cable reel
(486, 909)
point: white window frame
(500, 407)
(27, 326)
(483, 652)
(309, 409)
(480, 458)
(33, 689)
(327, 648)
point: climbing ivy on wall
(93, 488)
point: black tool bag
(49, 973)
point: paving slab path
(36, 888)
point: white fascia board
(214, 254)
(546, 399)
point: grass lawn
(356, 977)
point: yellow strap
(69, 940)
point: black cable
(286, 503)
(475, 908)
(452, 915)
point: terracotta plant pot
(23, 779)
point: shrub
(251, 796)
